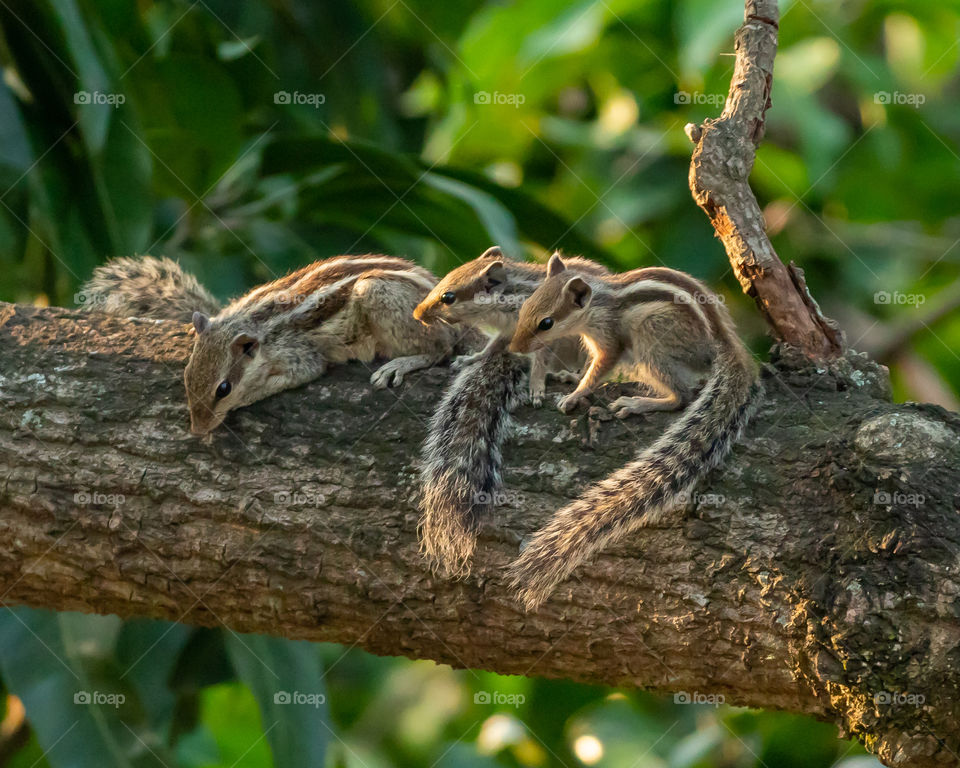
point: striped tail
(145, 286)
(462, 458)
(659, 479)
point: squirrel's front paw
(461, 362)
(567, 377)
(568, 402)
(390, 373)
(536, 395)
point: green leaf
(191, 118)
(61, 666)
(122, 174)
(94, 118)
(537, 222)
(493, 214)
(147, 652)
(15, 153)
(286, 678)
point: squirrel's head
(223, 372)
(556, 309)
(465, 294)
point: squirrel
(462, 454)
(680, 339)
(487, 294)
(286, 332)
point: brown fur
(462, 453)
(680, 339)
(287, 332)
(145, 286)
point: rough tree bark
(818, 572)
(719, 180)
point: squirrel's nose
(421, 313)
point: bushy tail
(145, 286)
(659, 479)
(462, 458)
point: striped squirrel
(487, 294)
(285, 333)
(675, 333)
(462, 454)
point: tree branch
(719, 180)
(792, 582)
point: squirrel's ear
(493, 251)
(200, 322)
(495, 273)
(555, 266)
(578, 291)
(244, 344)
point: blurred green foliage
(246, 137)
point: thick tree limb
(818, 572)
(719, 180)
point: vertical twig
(719, 180)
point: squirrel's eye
(546, 324)
(449, 297)
(223, 390)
